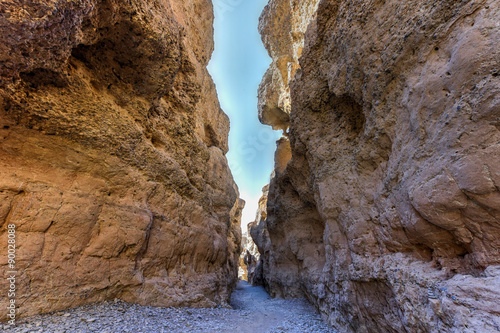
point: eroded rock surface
(251, 261)
(112, 155)
(257, 234)
(387, 216)
(282, 26)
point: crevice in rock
(40, 77)
(210, 136)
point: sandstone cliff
(387, 216)
(112, 155)
(250, 256)
(257, 243)
(282, 26)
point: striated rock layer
(112, 155)
(387, 216)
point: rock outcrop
(112, 155)
(387, 216)
(282, 26)
(251, 254)
(257, 230)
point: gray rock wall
(387, 216)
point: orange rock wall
(112, 155)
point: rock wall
(387, 216)
(282, 26)
(112, 155)
(257, 243)
(251, 254)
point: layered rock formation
(112, 155)
(387, 216)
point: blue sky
(237, 66)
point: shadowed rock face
(112, 155)
(387, 216)
(257, 234)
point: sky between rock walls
(238, 63)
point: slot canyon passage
(383, 210)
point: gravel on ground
(254, 311)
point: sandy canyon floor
(252, 311)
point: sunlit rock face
(282, 26)
(112, 155)
(387, 216)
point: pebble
(251, 308)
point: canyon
(384, 207)
(112, 156)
